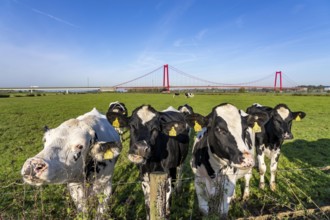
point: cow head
(281, 119)
(145, 126)
(186, 109)
(230, 133)
(67, 150)
(118, 108)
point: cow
(186, 109)
(269, 141)
(159, 141)
(176, 94)
(79, 151)
(223, 152)
(118, 108)
(189, 95)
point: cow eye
(221, 131)
(79, 146)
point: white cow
(79, 151)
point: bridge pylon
(280, 77)
(166, 79)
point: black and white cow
(120, 109)
(272, 136)
(79, 151)
(223, 152)
(186, 109)
(189, 95)
(159, 141)
(176, 94)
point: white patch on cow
(185, 109)
(170, 109)
(145, 114)
(283, 112)
(231, 115)
(257, 105)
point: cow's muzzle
(247, 161)
(139, 152)
(287, 136)
(32, 169)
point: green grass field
(301, 184)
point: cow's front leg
(273, 169)
(77, 192)
(247, 178)
(178, 181)
(168, 188)
(103, 192)
(146, 192)
(202, 194)
(262, 169)
(229, 184)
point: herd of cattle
(227, 143)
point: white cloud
(201, 34)
(54, 18)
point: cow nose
(248, 160)
(138, 147)
(287, 136)
(33, 167)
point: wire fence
(294, 191)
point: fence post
(158, 181)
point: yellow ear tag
(115, 123)
(197, 127)
(172, 132)
(108, 155)
(256, 128)
(298, 118)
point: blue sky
(106, 42)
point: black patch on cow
(76, 156)
(94, 167)
(202, 157)
(277, 158)
(222, 142)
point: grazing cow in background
(159, 142)
(79, 151)
(223, 152)
(176, 94)
(272, 136)
(189, 95)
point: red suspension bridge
(160, 78)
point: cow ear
(173, 129)
(298, 115)
(46, 128)
(196, 121)
(117, 120)
(105, 150)
(257, 120)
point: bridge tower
(280, 77)
(166, 79)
